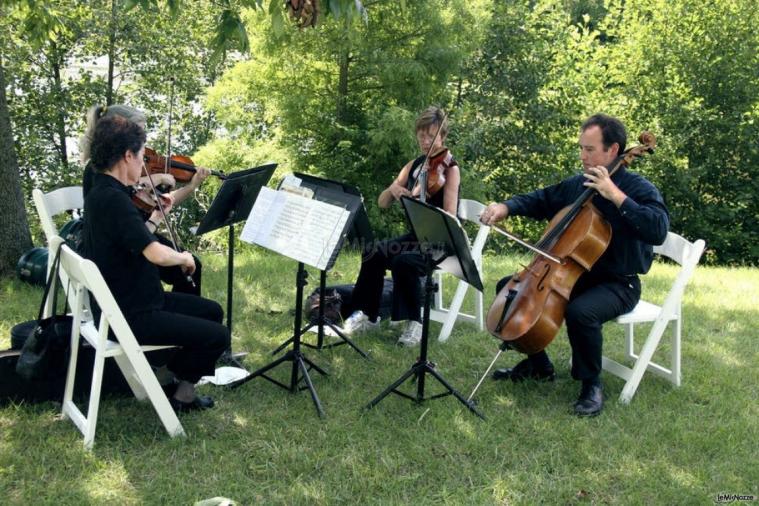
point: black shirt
(88, 181)
(114, 236)
(640, 222)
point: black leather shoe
(198, 403)
(591, 401)
(525, 370)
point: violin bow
(168, 135)
(527, 245)
(172, 236)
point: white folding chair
(54, 203)
(469, 210)
(687, 254)
(83, 276)
(49, 205)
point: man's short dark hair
(113, 137)
(612, 130)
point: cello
(528, 312)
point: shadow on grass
(262, 444)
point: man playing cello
(635, 210)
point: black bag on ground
(71, 232)
(20, 333)
(333, 302)
(45, 350)
(14, 388)
(339, 301)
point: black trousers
(175, 277)
(189, 321)
(594, 301)
(401, 255)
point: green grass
(262, 445)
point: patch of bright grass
(262, 445)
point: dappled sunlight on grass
(240, 421)
(119, 489)
(465, 426)
(262, 444)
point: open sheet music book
(297, 227)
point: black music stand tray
(348, 197)
(443, 244)
(232, 204)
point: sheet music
(303, 229)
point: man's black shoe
(525, 370)
(591, 400)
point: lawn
(263, 445)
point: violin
(147, 195)
(432, 183)
(436, 167)
(144, 198)
(180, 167)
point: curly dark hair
(113, 137)
(612, 130)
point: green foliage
(697, 72)
(686, 70)
(339, 100)
(342, 98)
(53, 79)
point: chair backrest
(687, 254)
(48, 206)
(84, 276)
(57, 201)
(470, 210)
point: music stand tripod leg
(301, 363)
(294, 355)
(422, 365)
(392, 387)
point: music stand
(310, 232)
(232, 204)
(359, 231)
(443, 243)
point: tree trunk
(342, 87)
(111, 54)
(14, 229)
(61, 116)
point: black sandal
(198, 403)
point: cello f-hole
(509, 299)
(541, 285)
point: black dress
(114, 238)
(170, 275)
(402, 256)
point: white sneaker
(358, 322)
(412, 334)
